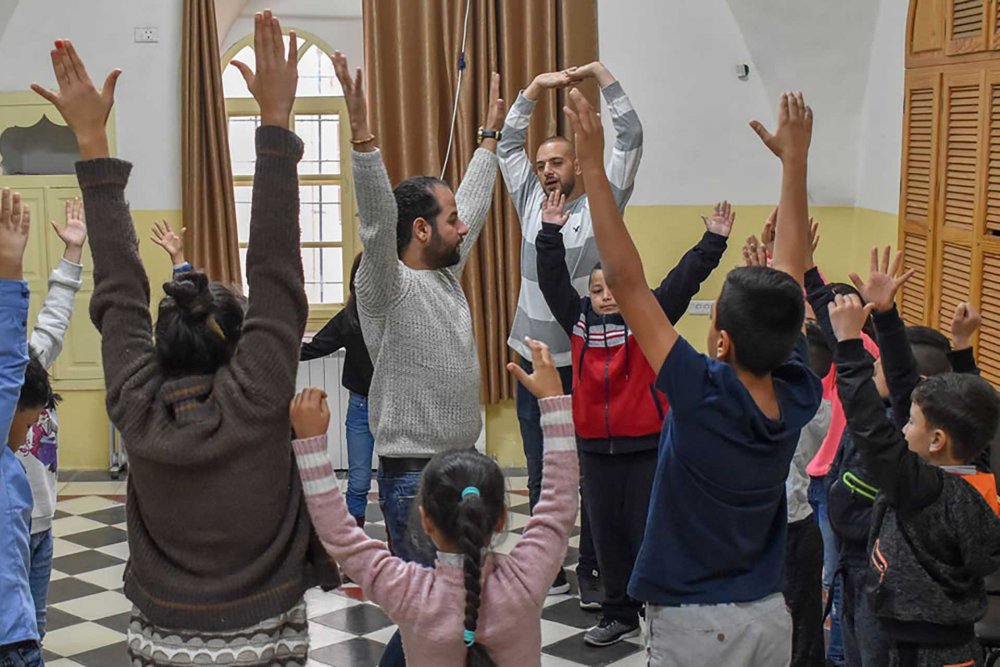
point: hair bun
(190, 292)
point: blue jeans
(529, 417)
(39, 573)
(396, 495)
(24, 655)
(831, 561)
(360, 443)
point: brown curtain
(411, 63)
(206, 176)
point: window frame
(350, 243)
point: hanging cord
(458, 88)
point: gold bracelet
(370, 137)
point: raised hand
(754, 252)
(166, 238)
(552, 209)
(964, 324)
(275, 77)
(595, 70)
(357, 103)
(544, 381)
(15, 223)
(795, 120)
(848, 316)
(813, 243)
(883, 280)
(587, 131)
(497, 110)
(84, 108)
(74, 233)
(721, 222)
(310, 414)
(767, 233)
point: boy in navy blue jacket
(617, 410)
(710, 566)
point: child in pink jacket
(474, 607)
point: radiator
(325, 373)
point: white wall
(147, 110)
(882, 129)
(677, 62)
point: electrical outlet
(146, 35)
(700, 308)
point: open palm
(74, 233)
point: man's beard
(441, 256)
(565, 187)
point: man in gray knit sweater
(425, 389)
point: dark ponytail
(198, 326)
(463, 495)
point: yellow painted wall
(83, 420)
(664, 233)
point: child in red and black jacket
(617, 411)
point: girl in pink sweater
(474, 607)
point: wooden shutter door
(966, 26)
(988, 348)
(917, 200)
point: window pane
(242, 195)
(321, 136)
(233, 84)
(242, 150)
(324, 273)
(320, 213)
(243, 271)
(316, 76)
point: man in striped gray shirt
(529, 182)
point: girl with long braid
(474, 607)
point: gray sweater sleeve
(518, 174)
(53, 319)
(627, 151)
(379, 279)
(473, 200)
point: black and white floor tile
(88, 615)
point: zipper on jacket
(607, 386)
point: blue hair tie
(470, 637)
(470, 491)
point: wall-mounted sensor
(743, 71)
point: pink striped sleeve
(386, 580)
(539, 554)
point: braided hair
(463, 495)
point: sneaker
(560, 585)
(610, 631)
(591, 591)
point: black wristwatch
(483, 133)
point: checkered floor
(88, 615)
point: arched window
(327, 207)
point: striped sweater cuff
(315, 468)
(557, 424)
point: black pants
(913, 655)
(804, 591)
(616, 491)
(864, 643)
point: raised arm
(676, 291)
(790, 143)
(266, 360)
(619, 257)
(64, 282)
(15, 223)
(623, 164)
(172, 244)
(898, 362)
(907, 482)
(385, 578)
(539, 553)
(120, 302)
(964, 324)
(550, 263)
(328, 340)
(380, 275)
(515, 165)
(475, 194)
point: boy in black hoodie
(933, 536)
